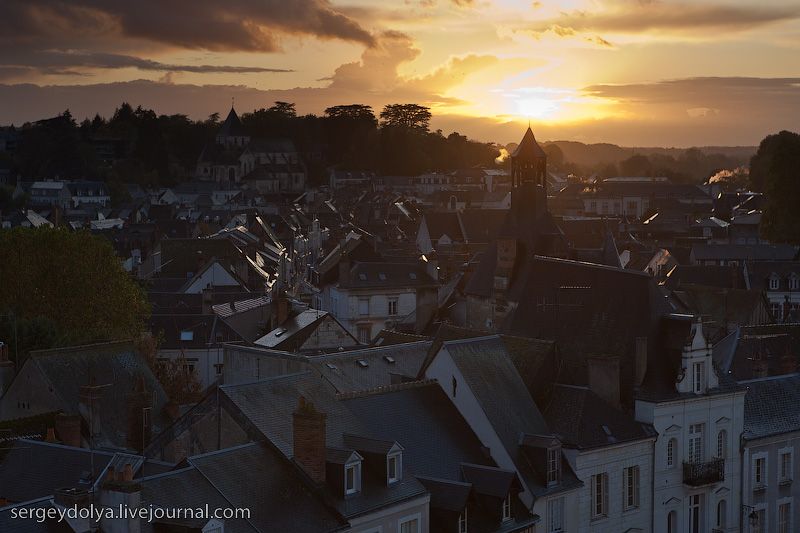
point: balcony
(699, 474)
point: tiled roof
(374, 275)
(771, 406)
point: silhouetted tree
(409, 117)
(773, 170)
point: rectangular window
(695, 513)
(599, 495)
(786, 466)
(696, 443)
(364, 334)
(699, 381)
(392, 306)
(507, 508)
(363, 306)
(553, 466)
(631, 487)
(410, 525)
(785, 517)
(760, 521)
(555, 516)
(759, 472)
(393, 468)
(352, 481)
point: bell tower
(528, 180)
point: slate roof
(443, 223)
(297, 329)
(771, 406)
(8, 522)
(726, 276)
(447, 494)
(254, 476)
(187, 488)
(375, 275)
(435, 437)
(760, 273)
(528, 148)
(742, 252)
(232, 127)
(490, 481)
(583, 420)
(114, 363)
(588, 309)
(772, 342)
(384, 365)
(482, 225)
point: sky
(630, 72)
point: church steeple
(528, 162)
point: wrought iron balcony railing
(699, 474)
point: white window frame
(410, 518)
(759, 473)
(696, 506)
(774, 283)
(722, 444)
(356, 468)
(697, 437)
(630, 482)
(763, 520)
(785, 526)
(393, 306)
(722, 518)
(506, 509)
(363, 307)
(699, 377)
(671, 452)
(553, 465)
(555, 515)
(599, 491)
(785, 475)
(463, 520)
(398, 467)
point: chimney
(344, 266)
(604, 378)
(760, 367)
(51, 435)
(140, 404)
(788, 363)
(6, 369)
(641, 360)
(308, 427)
(68, 429)
(120, 490)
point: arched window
(722, 514)
(672, 522)
(722, 444)
(672, 445)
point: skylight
(389, 359)
(362, 363)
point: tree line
(136, 145)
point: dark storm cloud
(55, 62)
(646, 17)
(250, 25)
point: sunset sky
(631, 72)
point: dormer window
(774, 283)
(553, 466)
(507, 509)
(394, 467)
(352, 478)
(794, 282)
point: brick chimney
(68, 429)
(51, 435)
(604, 378)
(308, 427)
(119, 489)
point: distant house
(50, 193)
(119, 402)
(89, 192)
(736, 254)
(780, 281)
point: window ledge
(759, 488)
(785, 482)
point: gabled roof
(490, 480)
(116, 364)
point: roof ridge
(381, 389)
(80, 347)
